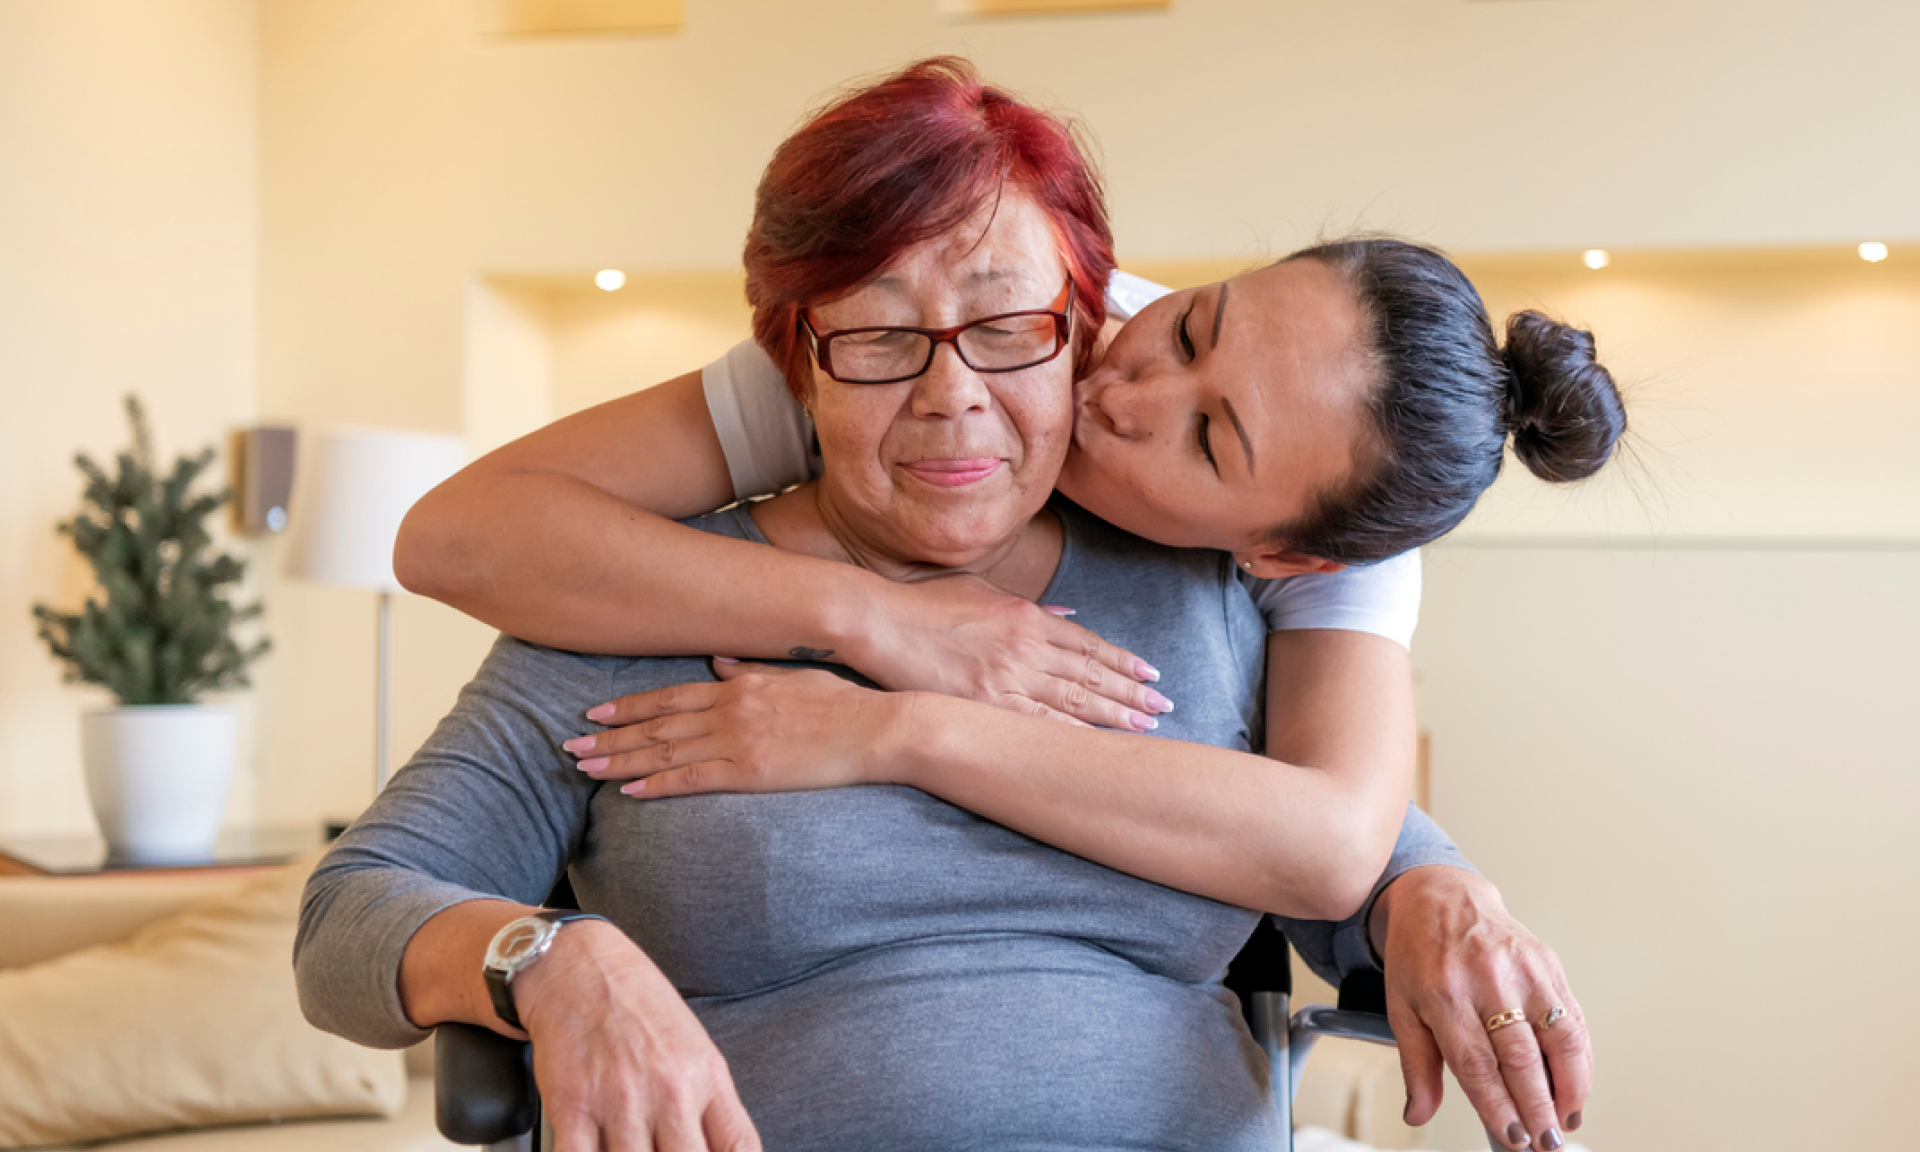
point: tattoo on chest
(817, 655)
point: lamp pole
(382, 766)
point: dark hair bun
(1562, 407)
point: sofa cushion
(191, 1021)
(412, 1130)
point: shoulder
(1381, 598)
(1127, 294)
(763, 432)
(1090, 538)
(1110, 562)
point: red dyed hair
(895, 164)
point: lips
(953, 471)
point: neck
(801, 521)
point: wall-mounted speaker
(263, 470)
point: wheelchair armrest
(1362, 1014)
(1364, 991)
(1320, 1020)
(482, 1085)
(1263, 965)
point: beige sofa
(1349, 1088)
(42, 918)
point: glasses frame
(1060, 311)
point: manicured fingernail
(725, 660)
(1157, 702)
(1057, 610)
(633, 789)
(1517, 1134)
(593, 765)
(600, 712)
(579, 744)
(1144, 670)
(1550, 1140)
(1142, 722)
(1573, 1122)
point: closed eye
(1183, 339)
(1206, 443)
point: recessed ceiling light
(1597, 258)
(1873, 251)
(611, 279)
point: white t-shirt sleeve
(1127, 294)
(764, 433)
(1382, 598)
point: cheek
(853, 424)
(1041, 410)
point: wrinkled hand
(961, 636)
(623, 1064)
(761, 729)
(1454, 957)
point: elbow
(1344, 885)
(427, 553)
(1346, 873)
(1367, 853)
(306, 968)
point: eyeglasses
(1004, 343)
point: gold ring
(1554, 1015)
(1500, 1020)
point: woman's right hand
(623, 1064)
(961, 636)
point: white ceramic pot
(158, 776)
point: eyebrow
(1245, 442)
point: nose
(948, 387)
(1123, 403)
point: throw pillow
(191, 1021)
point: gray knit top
(881, 970)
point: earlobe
(1279, 563)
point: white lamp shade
(354, 488)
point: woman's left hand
(1456, 960)
(760, 729)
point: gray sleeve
(1336, 950)
(765, 435)
(489, 807)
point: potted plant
(158, 632)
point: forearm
(483, 816)
(440, 981)
(614, 578)
(1232, 826)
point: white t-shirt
(769, 444)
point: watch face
(517, 943)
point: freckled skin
(874, 436)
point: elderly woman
(1343, 405)
(866, 967)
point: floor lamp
(346, 512)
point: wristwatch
(518, 947)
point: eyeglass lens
(999, 344)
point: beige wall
(128, 205)
(1691, 771)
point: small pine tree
(160, 628)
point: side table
(88, 856)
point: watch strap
(500, 984)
